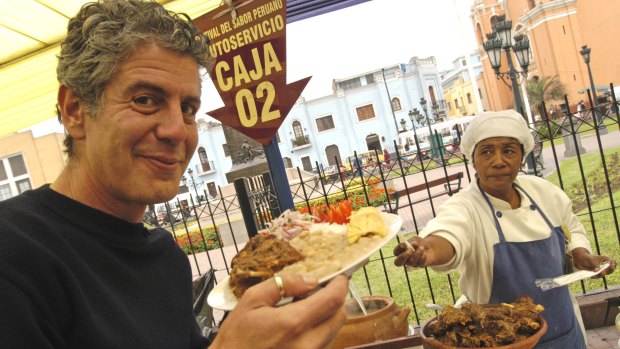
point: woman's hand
(432, 250)
(406, 256)
(312, 322)
(583, 260)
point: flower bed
(211, 241)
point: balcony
(205, 167)
(300, 142)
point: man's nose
(172, 125)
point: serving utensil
(434, 306)
(357, 297)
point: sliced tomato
(335, 213)
(320, 212)
(345, 210)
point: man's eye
(144, 100)
(189, 109)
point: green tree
(549, 88)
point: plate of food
(517, 325)
(294, 243)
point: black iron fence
(579, 150)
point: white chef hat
(505, 123)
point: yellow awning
(30, 32)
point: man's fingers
(267, 293)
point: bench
(451, 185)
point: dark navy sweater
(74, 277)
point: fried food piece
(478, 326)
(260, 259)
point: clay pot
(385, 320)
(429, 342)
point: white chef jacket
(466, 221)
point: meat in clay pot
(385, 320)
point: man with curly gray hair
(78, 269)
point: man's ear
(72, 112)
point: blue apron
(517, 265)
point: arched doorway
(373, 142)
(287, 162)
(333, 155)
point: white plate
(222, 297)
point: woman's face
(497, 161)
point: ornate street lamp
(403, 124)
(190, 172)
(433, 142)
(501, 39)
(435, 110)
(414, 114)
(585, 53)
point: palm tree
(549, 88)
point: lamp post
(585, 53)
(414, 114)
(435, 110)
(190, 172)
(501, 39)
(433, 142)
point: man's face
(497, 161)
(137, 148)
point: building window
(287, 162)
(456, 103)
(469, 98)
(298, 131)
(5, 192)
(14, 177)
(365, 112)
(480, 93)
(396, 104)
(431, 92)
(350, 84)
(306, 164)
(324, 123)
(204, 160)
(493, 20)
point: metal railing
(571, 145)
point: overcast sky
(376, 34)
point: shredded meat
(260, 259)
(487, 326)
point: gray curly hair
(104, 34)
